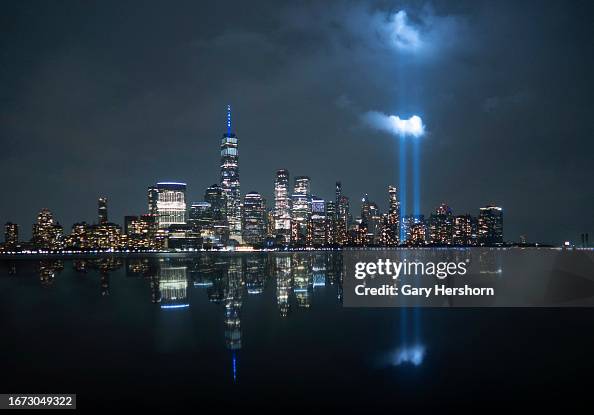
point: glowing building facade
(282, 206)
(230, 178)
(465, 230)
(490, 225)
(441, 226)
(318, 226)
(102, 209)
(47, 234)
(167, 200)
(301, 210)
(254, 219)
(11, 235)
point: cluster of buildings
(297, 219)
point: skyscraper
(490, 225)
(167, 200)
(390, 234)
(254, 219)
(413, 229)
(301, 210)
(317, 227)
(218, 201)
(282, 206)
(441, 226)
(342, 214)
(102, 209)
(47, 234)
(230, 178)
(11, 235)
(465, 230)
(371, 218)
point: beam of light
(402, 181)
(416, 168)
(393, 124)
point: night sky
(106, 98)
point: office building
(167, 200)
(102, 209)
(300, 210)
(230, 178)
(282, 206)
(441, 226)
(254, 219)
(11, 235)
(490, 225)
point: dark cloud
(108, 97)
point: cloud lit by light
(395, 125)
(405, 35)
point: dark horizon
(106, 99)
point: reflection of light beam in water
(413, 355)
(234, 364)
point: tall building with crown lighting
(230, 178)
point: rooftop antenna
(228, 119)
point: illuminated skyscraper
(200, 215)
(102, 209)
(490, 225)
(317, 227)
(167, 200)
(219, 236)
(331, 223)
(218, 201)
(371, 218)
(342, 216)
(301, 210)
(390, 233)
(254, 219)
(465, 230)
(230, 178)
(441, 226)
(47, 234)
(11, 235)
(414, 229)
(282, 206)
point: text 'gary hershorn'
(385, 268)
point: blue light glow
(413, 355)
(403, 190)
(228, 119)
(167, 306)
(416, 178)
(234, 363)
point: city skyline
(105, 112)
(297, 219)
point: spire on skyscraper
(229, 119)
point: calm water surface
(269, 329)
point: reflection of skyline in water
(227, 280)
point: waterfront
(267, 327)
